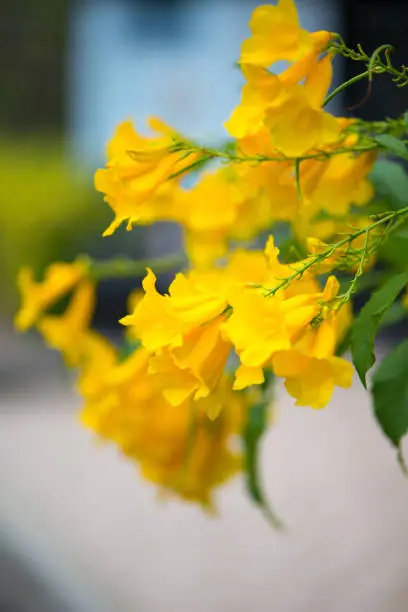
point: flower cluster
(306, 152)
(198, 359)
(124, 404)
(244, 308)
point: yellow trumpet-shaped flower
(134, 181)
(246, 376)
(309, 380)
(179, 449)
(260, 326)
(207, 225)
(154, 321)
(289, 111)
(196, 367)
(346, 176)
(37, 297)
(311, 368)
(67, 333)
(277, 35)
(162, 320)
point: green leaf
(197, 165)
(395, 314)
(391, 182)
(392, 144)
(395, 249)
(255, 428)
(390, 393)
(128, 347)
(367, 323)
(297, 180)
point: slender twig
(319, 258)
(124, 267)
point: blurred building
(172, 58)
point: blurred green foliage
(47, 211)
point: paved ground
(95, 536)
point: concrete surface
(84, 521)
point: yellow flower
(271, 194)
(262, 87)
(66, 333)
(60, 278)
(260, 326)
(346, 176)
(277, 35)
(300, 107)
(246, 377)
(280, 103)
(252, 197)
(196, 367)
(310, 380)
(256, 328)
(179, 449)
(154, 322)
(134, 181)
(162, 320)
(207, 224)
(133, 300)
(193, 471)
(311, 369)
(204, 247)
(94, 380)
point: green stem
(353, 285)
(316, 260)
(124, 267)
(374, 62)
(340, 88)
(257, 159)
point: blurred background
(79, 531)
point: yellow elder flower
(262, 87)
(346, 176)
(162, 320)
(153, 320)
(311, 369)
(182, 331)
(301, 109)
(66, 333)
(37, 297)
(200, 209)
(177, 448)
(246, 376)
(206, 223)
(252, 197)
(212, 460)
(277, 35)
(196, 367)
(309, 380)
(271, 195)
(260, 326)
(204, 247)
(281, 105)
(133, 300)
(99, 361)
(134, 181)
